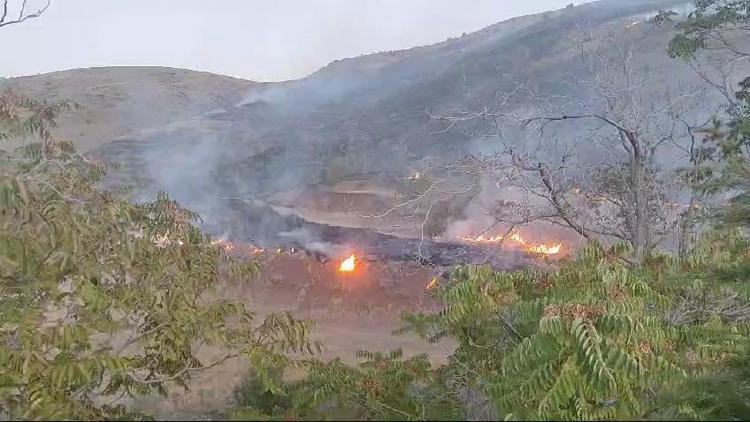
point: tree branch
(181, 372)
(22, 16)
(628, 134)
(5, 11)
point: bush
(254, 399)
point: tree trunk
(640, 216)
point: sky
(262, 40)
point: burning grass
(348, 265)
(515, 238)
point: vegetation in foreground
(101, 299)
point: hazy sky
(252, 39)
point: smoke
(185, 171)
(285, 135)
(479, 211)
(305, 237)
(311, 92)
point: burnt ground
(262, 226)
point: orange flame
(223, 244)
(432, 284)
(517, 238)
(546, 249)
(243, 248)
(348, 265)
(482, 239)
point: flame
(482, 239)
(495, 239)
(348, 265)
(432, 284)
(546, 249)
(517, 238)
(244, 248)
(224, 245)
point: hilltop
(115, 101)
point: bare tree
(10, 17)
(592, 161)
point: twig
(181, 372)
(21, 16)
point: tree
(102, 299)
(591, 159)
(714, 36)
(386, 386)
(8, 16)
(711, 26)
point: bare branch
(5, 11)
(22, 15)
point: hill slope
(367, 117)
(364, 118)
(116, 101)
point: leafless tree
(10, 17)
(593, 161)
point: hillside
(331, 125)
(206, 138)
(116, 101)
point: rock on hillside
(116, 101)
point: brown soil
(353, 311)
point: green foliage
(594, 339)
(737, 176)
(716, 25)
(383, 387)
(705, 24)
(255, 400)
(720, 395)
(102, 300)
(730, 172)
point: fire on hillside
(514, 238)
(368, 270)
(348, 265)
(261, 230)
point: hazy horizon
(257, 40)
